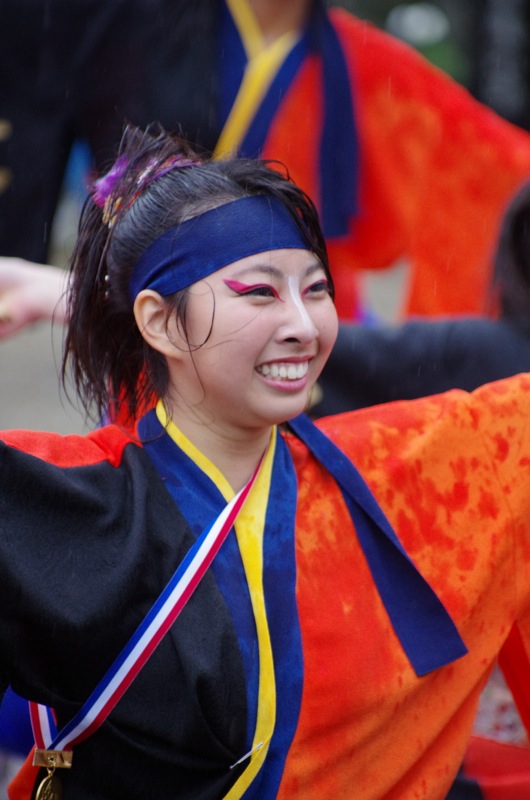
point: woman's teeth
(287, 372)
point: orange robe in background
(437, 169)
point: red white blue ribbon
(144, 641)
(43, 724)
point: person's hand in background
(29, 292)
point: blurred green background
(443, 31)
(483, 44)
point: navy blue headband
(199, 246)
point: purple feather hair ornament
(104, 186)
(103, 192)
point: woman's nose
(298, 322)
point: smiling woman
(275, 337)
(275, 330)
(168, 254)
(214, 601)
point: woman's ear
(160, 333)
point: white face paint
(295, 290)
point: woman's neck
(235, 453)
(276, 17)
(236, 460)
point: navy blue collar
(427, 633)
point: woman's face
(259, 332)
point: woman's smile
(284, 371)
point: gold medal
(50, 788)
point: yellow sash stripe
(248, 27)
(263, 64)
(249, 529)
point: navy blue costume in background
(75, 71)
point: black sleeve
(372, 365)
(84, 552)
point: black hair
(111, 365)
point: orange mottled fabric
(452, 473)
(437, 170)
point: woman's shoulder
(103, 444)
(434, 428)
